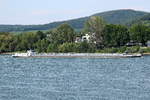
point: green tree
(40, 35)
(67, 47)
(139, 33)
(86, 47)
(5, 41)
(116, 35)
(42, 45)
(95, 26)
(62, 34)
(52, 48)
(26, 41)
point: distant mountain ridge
(113, 17)
(143, 20)
(121, 16)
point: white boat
(31, 53)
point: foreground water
(74, 79)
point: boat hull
(81, 55)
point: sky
(27, 12)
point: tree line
(62, 38)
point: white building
(78, 40)
(148, 43)
(86, 38)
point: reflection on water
(74, 79)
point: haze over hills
(112, 17)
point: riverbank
(120, 50)
(146, 54)
(7, 53)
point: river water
(74, 78)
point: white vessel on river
(31, 53)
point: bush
(133, 49)
(67, 47)
(52, 48)
(108, 50)
(145, 50)
(82, 47)
(122, 49)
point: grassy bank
(134, 49)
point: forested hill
(121, 16)
(143, 20)
(113, 17)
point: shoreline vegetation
(96, 37)
(133, 50)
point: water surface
(74, 78)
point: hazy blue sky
(45, 11)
